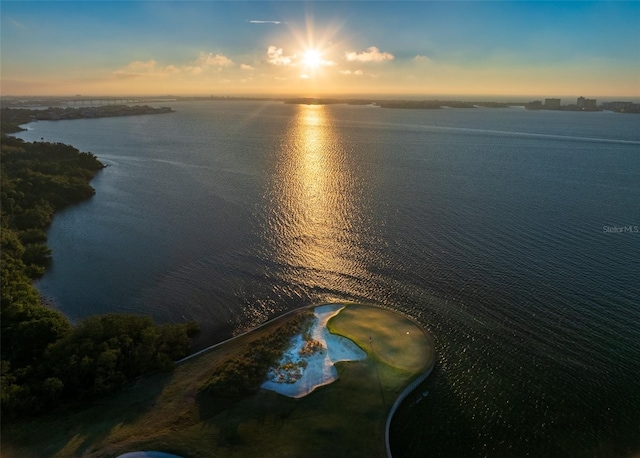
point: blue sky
(422, 48)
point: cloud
(276, 56)
(420, 58)
(137, 68)
(372, 54)
(209, 60)
(349, 72)
(304, 76)
(205, 61)
(140, 66)
(150, 68)
(246, 67)
(193, 70)
(16, 24)
(265, 22)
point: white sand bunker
(308, 364)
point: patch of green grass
(168, 412)
(391, 337)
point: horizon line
(342, 96)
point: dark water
(488, 226)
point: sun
(312, 58)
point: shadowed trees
(44, 358)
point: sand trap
(320, 369)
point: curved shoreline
(414, 384)
(399, 399)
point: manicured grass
(166, 412)
(394, 340)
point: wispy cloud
(371, 54)
(171, 69)
(204, 62)
(246, 67)
(137, 68)
(326, 63)
(420, 58)
(265, 22)
(349, 72)
(209, 60)
(16, 24)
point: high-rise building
(552, 103)
(587, 104)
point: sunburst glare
(312, 58)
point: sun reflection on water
(315, 200)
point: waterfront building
(586, 104)
(552, 103)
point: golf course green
(171, 412)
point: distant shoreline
(14, 117)
(382, 102)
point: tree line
(44, 358)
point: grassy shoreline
(168, 412)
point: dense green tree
(44, 359)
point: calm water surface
(487, 226)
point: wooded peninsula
(46, 360)
(13, 117)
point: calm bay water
(490, 227)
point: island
(12, 117)
(407, 104)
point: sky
(314, 49)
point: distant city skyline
(493, 49)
